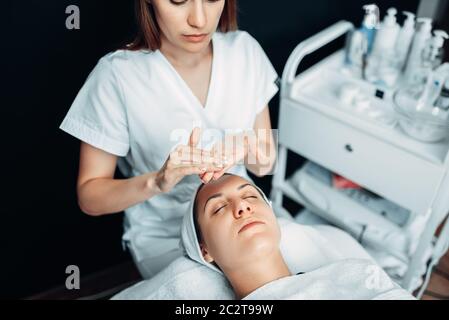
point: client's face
(236, 223)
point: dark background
(43, 230)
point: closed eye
(216, 211)
(178, 2)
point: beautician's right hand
(186, 160)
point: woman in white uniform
(188, 67)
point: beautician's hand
(186, 160)
(233, 149)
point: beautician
(188, 67)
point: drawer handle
(349, 148)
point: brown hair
(148, 34)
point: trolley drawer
(391, 172)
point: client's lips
(250, 224)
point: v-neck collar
(192, 96)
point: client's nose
(243, 208)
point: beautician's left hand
(234, 148)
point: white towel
(352, 279)
(304, 249)
(183, 279)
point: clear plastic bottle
(431, 57)
(433, 53)
(405, 38)
(387, 34)
(412, 72)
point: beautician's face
(178, 19)
(237, 224)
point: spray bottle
(370, 24)
(360, 42)
(405, 38)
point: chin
(261, 242)
(195, 47)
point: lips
(249, 224)
(195, 37)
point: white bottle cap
(409, 23)
(371, 19)
(390, 18)
(438, 38)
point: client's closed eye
(216, 211)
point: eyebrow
(218, 195)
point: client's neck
(245, 279)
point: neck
(183, 58)
(259, 272)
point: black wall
(43, 229)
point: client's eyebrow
(218, 195)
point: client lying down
(233, 230)
(236, 248)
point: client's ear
(207, 257)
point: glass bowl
(422, 122)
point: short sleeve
(266, 75)
(97, 115)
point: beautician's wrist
(151, 188)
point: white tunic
(133, 102)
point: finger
(204, 167)
(219, 174)
(186, 154)
(183, 158)
(211, 164)
(189, 149)
(203, 156)
(218, 152)
(208, 177)
(217, 149)
(195, 137)
(191, 170)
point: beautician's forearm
(103, 196)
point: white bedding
(305, 249)
(351, 279)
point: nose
(242, 209)
(197, 16)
